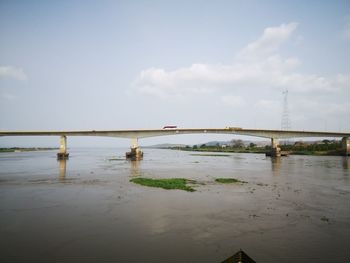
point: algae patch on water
(173, 183)
(229, 181)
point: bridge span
(134, 135)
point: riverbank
(337, 152)
(31, 149)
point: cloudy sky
(71, 65)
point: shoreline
(25, 149)
(263, 151)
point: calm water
(296, 209)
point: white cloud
(163, 84)
(233, 101)
(253, 82)
(269, 42)
(258, 66)
(12, 72)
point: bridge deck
(144, 133)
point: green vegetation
(235, 146)
(173, 183)
(324, 147)
(19, 149)
(228, 181)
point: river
(293, 209)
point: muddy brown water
(294, 209)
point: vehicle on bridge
(233, 128)
(170, 127)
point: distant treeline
(325, 147)
(328, 147)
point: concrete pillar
(62, 154)
(134, 143)
(275, 150)
(135, 151)
(346, 146)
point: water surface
(86, 210)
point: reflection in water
(346, 163)
(63, 169)
(135, 167)
(276, 165)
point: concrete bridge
(134, 135)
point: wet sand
(86, 210)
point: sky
(98, 65)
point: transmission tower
(285, 122)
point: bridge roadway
(145, 133)
(274, 135)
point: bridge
(135, 135)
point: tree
(252, 145)
(326, 141)
(238, 144)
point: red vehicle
(170, 127)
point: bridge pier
(62, 154)
(346, 145)
(275, 150)
(135, 151)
